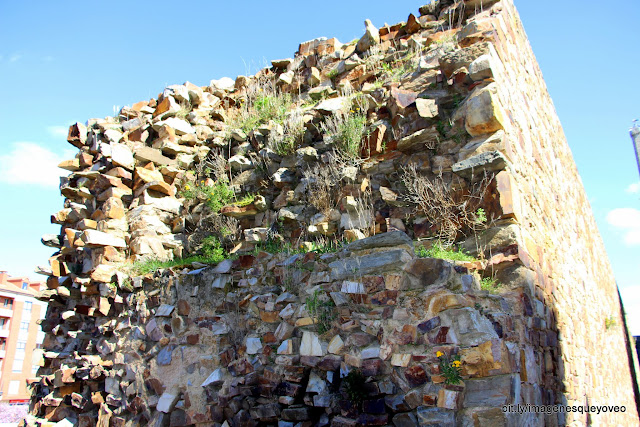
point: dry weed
(452, 210)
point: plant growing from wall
(345, 130)
(353, 386)
(454, 211)
(490, 284)
(438, 251)
(450, 368)
(261, 102)
(290, 139)
(322, 310)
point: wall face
(574, 277)
(290, 329)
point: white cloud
(58, 131)
(15, 57)
(30, 163)
(628, 220)
(633, 188)
(48, 58)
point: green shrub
(212, 249)
(267, 105)
(490, 284)
(438, 251)
(216, 196)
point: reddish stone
(429, 400)
(330, 363)
(404, 98)
(154, 385)
(371, 367)
(183, 308)
(385, 297)
(373, 284)
(269, 338)
(294, 373)
(193, 339)
(441, 336)
(246, 261)
(416, 375)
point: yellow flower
(187, 187)
(456, 364)
(439, 354)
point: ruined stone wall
(297, 326)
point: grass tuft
(438, 251)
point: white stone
(180, 126)
(113, 135)
(427, 108)
(239, 163)
(224, 83)
(166, 402)
(370, 352)
(221, 281)
(399, 359)
(121, 155)
(98, 238)
(216, 377)
(352, 288)
(164, 310)
(333, 104)
(179, 92)
(310, 345)
(287, 312)
(363, 219)
(254, 345)
(316, 384)
(287, 77)
(224, 266)
(286, 347)
(166, 203)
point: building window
(27, 307)
(8, 303)
(3, 343)
(21, 346)
(2, 323)
(14, 387)
(17, 365)
(24, 326)
(25, 285)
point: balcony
(5, 312)
(4, 333)
(3, 354)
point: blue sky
(62, 62)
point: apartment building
(20, 336)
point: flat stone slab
(375, 263)
(491, 161)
